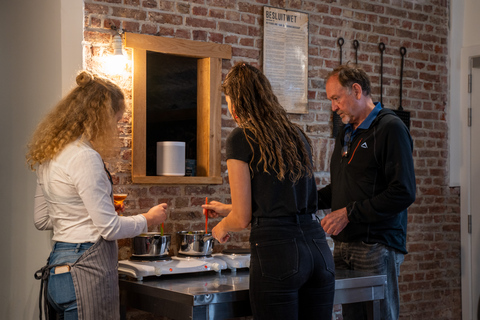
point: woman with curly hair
(269, 161)
(74, 199)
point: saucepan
(151, 244)
(195, 243)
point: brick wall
(430, 275)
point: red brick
(148, 29)
(200, 23)
(129, 13)
(183, 34)
(164, 18)
(246, 53)
(199, 11)
(90, 8)
(236, 28)
(217, 13)
(233, 16)
(183, 8)
(149, 4)
(200, 35)
(129, 26)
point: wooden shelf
(177, 180)
(209, 76)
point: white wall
(36, 63)
(454, 111)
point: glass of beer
(118, 199)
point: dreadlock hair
(257, 108)
(88, 111)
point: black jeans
(292, 273)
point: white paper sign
(285, 57)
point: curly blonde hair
(257, 109)
(88, 112)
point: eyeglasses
(346, 144)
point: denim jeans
(374, 258)
(292, 274)
(61, 291)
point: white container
(170, 158)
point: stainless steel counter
(225, 295)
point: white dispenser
(170, 158)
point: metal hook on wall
(340, 42)
(337, 121)
(403, 51)
(403, 115)
(381, 47)
(355, 46)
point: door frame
(468, 304)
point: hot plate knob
(158, 271)
(216, 266)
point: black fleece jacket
(375, 182)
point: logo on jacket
(364, 145)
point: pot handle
(206, 238)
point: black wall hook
(381, 47)
(340, 42)
(355, 46)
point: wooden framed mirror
(176, 96)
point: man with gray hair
(372, 185)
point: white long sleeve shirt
(73, 198)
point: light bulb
(115, 64)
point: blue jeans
(292, 274)
(61, 291)
(374, 258)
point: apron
(95, 278)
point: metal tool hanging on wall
(355, 46)
(337, 121)
(404, 115)
(381, 47)
(340, 42)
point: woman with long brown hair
(74, 199)
(269, 161)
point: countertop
(211, 295)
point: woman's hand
(220, 234)
(239, 214)
(215, 209)
(119, 207)
(156, 215)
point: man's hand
(334, 222)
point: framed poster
(285, 56)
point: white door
(474, 195)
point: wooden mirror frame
(209, 77)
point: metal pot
(195, 243)
(151, 244)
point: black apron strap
(43, 275)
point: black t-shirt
(270, 196)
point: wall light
(117, 62)
(117, 45)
